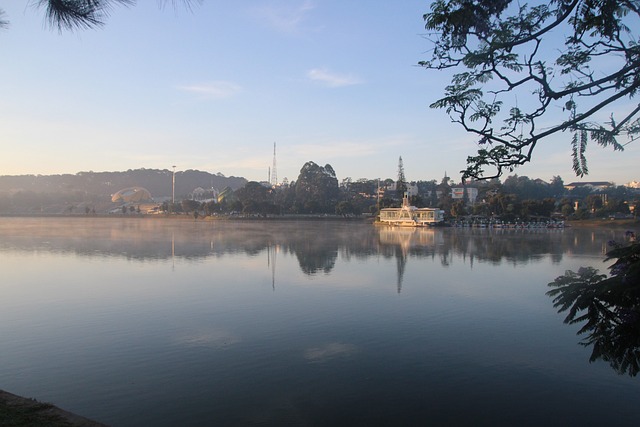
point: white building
(412, 188)
(457, 193)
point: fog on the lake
(156, 321)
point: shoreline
(18, 411)
(631, 223)
(610, 223)
(289, 217)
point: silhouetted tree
(608, 308)
(593, 202)
(401, 183)
(189, 205)
(255, 198)
(80, 14)
(316, 189)
(504, 51)
(557, 187)
(458, 209)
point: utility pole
(378, 198)
(173, 189)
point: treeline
(522, 198)
(317, 191)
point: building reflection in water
(317, 245)
(402, 240)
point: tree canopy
(524, 73)
(401, 183)
(316, 189)
(80, 14)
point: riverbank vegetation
(17, 411)
(516, 199)
(317, 191)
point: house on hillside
(457, 193)
(391, 188)
(595, 185)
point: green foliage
(578, 148)
(189, 206)
(507, 81)
(316, 189)
(30, 413)
(401, 183)
(346, 208)
(566, 208)
(608, 308)
(212, 207)
(458, 209)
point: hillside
(157, 181)
(25, 194)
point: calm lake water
(156, 322)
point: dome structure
(131, 195)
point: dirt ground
(16, 411)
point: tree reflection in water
(608, 307)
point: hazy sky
(327, 80)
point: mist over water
(159, 322)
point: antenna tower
(274, 171)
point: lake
(161, 322)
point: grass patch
(30, 413)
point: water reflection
(92, 321)
(316, 245)
(607, 308)
(329, 351)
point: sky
(329, 81)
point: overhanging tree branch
(517, 50)
(83, 14)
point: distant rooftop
(592, 184)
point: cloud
(283, 17)
(330, 79)
(213, 90)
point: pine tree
(401, 184)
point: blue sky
(329, 81)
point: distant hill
(103, 184)
(54, 194)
